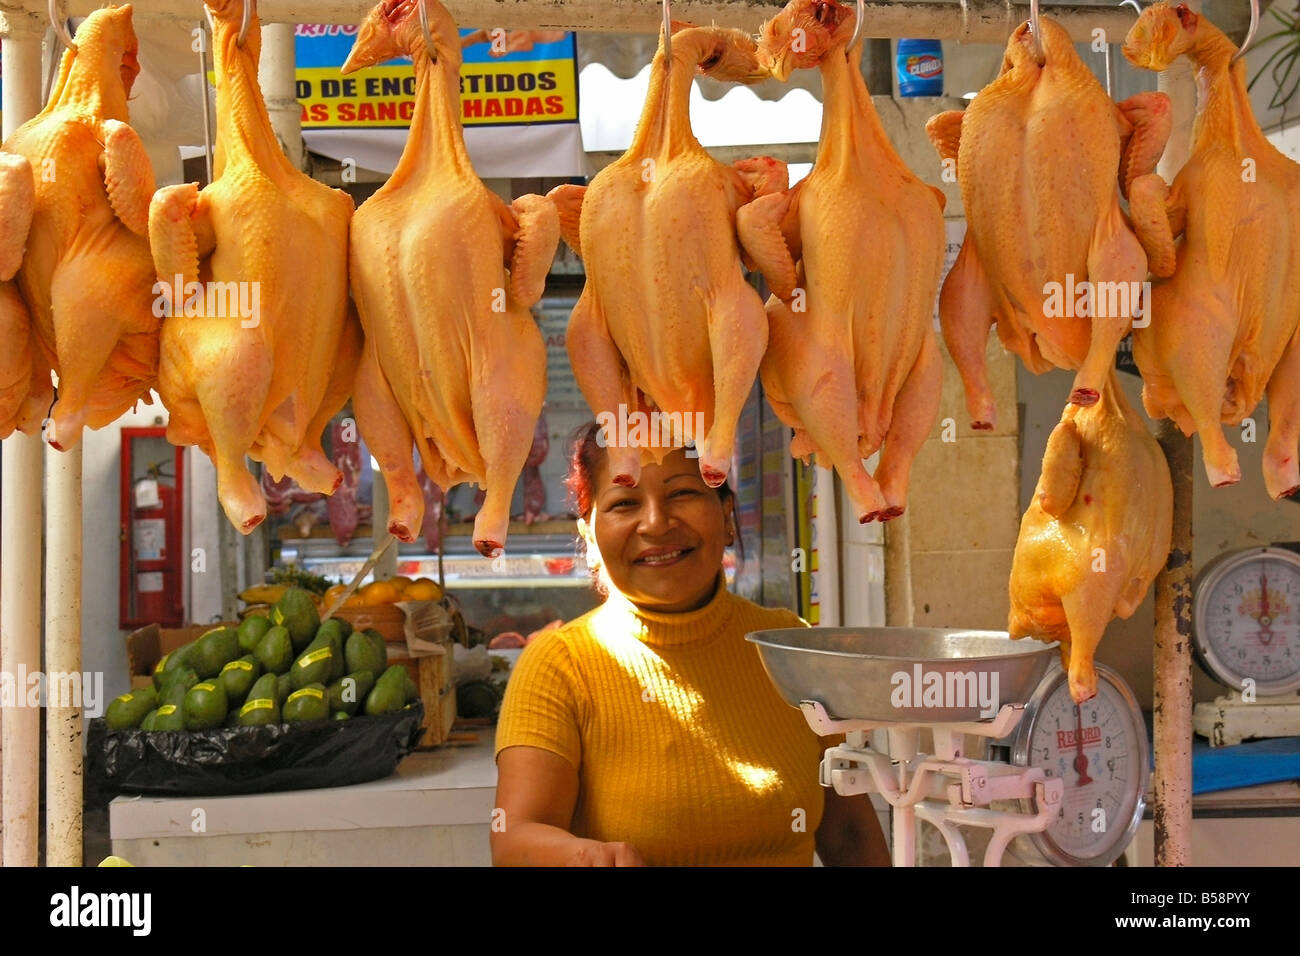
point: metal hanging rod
(986, 21)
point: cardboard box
(147, 646)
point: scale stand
(945, 789)
(1230, 720)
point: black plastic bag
(234, 760)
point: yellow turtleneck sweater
(683, 747)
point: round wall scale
(1100, 749)
(1246, 635)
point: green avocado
(342, 715)
(283, 688)
(389, 692)
(316, 664)
(213, 651)
(262, 706)
(333, 631)
(205, 705)
(176, 659)
(381, 648)
(275, 651)
(251, 632)
(150, 721)
(306, 703)
(238, 676)
(296, 612)
(361, 654)
(171, 710)
(129, 710)
(183, 676)
(348, 693)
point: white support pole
(827, 536)
(275, 73)
(20, 531)
(63, 688)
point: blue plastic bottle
(919, 65)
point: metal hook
(668, 34)
(1250, 34)
(1036, 28)
(243, 24)
(857, 27)
(1111, 60)
(61, 26)
(424, 27)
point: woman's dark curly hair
(585, 457)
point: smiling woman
(646, 732)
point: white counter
(434, 811)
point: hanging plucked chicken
(666, 326)
(853, 254)
(1096, 533)
(1223, 329)
(1041, 155)
(75, 183)
(443, 273)
(261, 356)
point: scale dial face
(1099, 748)
(1245, 621)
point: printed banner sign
(535, 80)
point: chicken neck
(851, 133)
(665, 124)
(435, 146)
(1223, 110)
(243, 125)
(90, 81)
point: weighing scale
(1246, 635)
(1071, 779)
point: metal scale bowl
(951, 683)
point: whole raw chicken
(443, 273)
(1096, 533)
(666, 322)
(1040, 155)
(1224, 326)
(262, 355)
(25, 390)
(75, 183)
(853, 254)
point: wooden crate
(387, 619)
(438, 695)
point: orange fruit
(380, 592)
(332, 595)
(423, 590)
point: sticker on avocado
(320, 654)
(262, 703)
(308, 692)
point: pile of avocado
(288, 667)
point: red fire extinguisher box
(153, 562)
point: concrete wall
(102, 641)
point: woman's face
(661, 542)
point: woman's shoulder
(560, 643)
